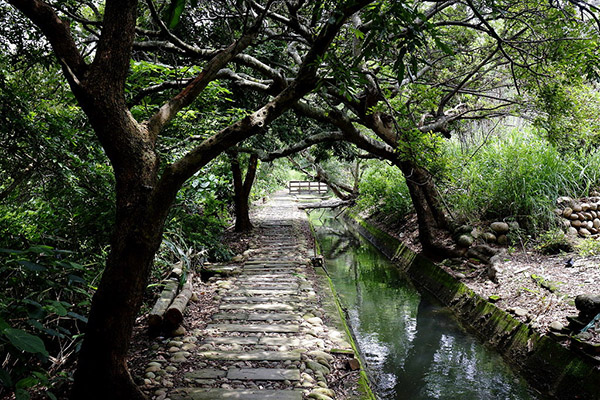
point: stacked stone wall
(579, 217)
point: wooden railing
(307, 187)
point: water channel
(413, 348)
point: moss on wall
(547, 365)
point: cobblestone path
(268, 339)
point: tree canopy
(163, 88)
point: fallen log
(177, 270)
(327, 204)
(174, 314)
(155, 318)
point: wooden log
(177, 270)
(174, 313)
(155, 318)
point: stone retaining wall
(547, 366)
(579, 217)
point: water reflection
(413, 348)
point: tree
(145, 189)
(415, 70)
(242, 187)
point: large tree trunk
(143, 201)
(242, 191)
(432, 221)
(141, 211)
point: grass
(518, 176)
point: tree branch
(303, 144)
(306, 80)
(168, 111)
(58, 34)
(113, 54)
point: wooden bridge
(307, 187)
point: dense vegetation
(56, 215)
(514, 175)
(122, 121)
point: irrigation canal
(413, 348)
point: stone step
(234, 394)
(261, 267)
(255, 316)
(273, 316)
(270, 271)
(262, 299)
(250, 355)
(263, 374)
(286, 281)
(207, 373)
(254, 328)
(286, 341)
(268, 278)
(251, 292)
(273, 282)
(263, 286)
(265, 306)
(273, 262)
(241, 340)
(281, 272)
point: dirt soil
(570, 274)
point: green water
(413, 348)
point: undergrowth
(588, 247)
(383, 191)
(513, 176)
(518, 175)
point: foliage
(270, 178)
(383, 190)
(569, 115)
(518, 175)
(588, 247)
(553, 241)
(55, 183)
(43, 299)
(201, 211)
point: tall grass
(518, 176)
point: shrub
(43, 299)
(383, 189)
(553, 242)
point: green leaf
(443, 46)
(40, 249)
(42, 378)
(22, 394)
(53, 332)
(35, 310)
(175, 10)
(36, 324)
(25, 341)
(3, 325)
(9, 251)
(5, 378)
(76, 279)
(58, 307)
(77, 316)
(51, 396)
(31, 266)
(27, 382)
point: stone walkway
(268, 339)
